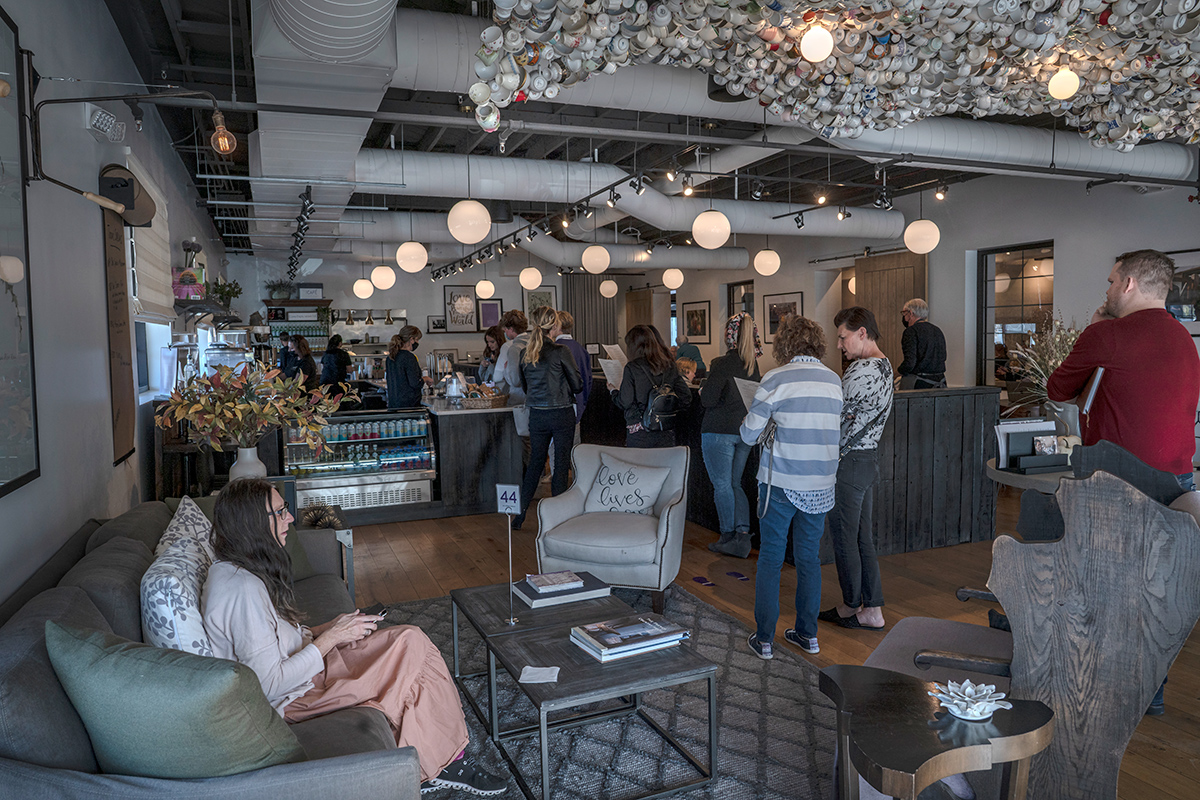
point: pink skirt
(400, 672)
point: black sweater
(404, 382)
(724, 409)
(924, 349)
(334, 366)
(636, 383)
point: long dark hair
(644, 341)
(335, 342)
(302, 348)
(497, 337)
(242, 536)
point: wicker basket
(498, 401)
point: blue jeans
(725, 457)
(806, 541)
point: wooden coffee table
(582, 680)
(900, 740)
(486, 608)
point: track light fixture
(673, 171)
(940, 192)
(649, 248)
(613, 197)
(756, 190)
(687, 186)
(883, 200)
(529, 234)
(822, 196)
(843, 214)
(799, 220)
(566, 220)
(588, 211)
(638, 184)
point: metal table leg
(545, 737)
(847, 776)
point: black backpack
(661, 405)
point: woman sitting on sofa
(250, 614)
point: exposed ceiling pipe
(334, 31)
(727, 159)
(439, 175)
(437, 54)
(430, 228)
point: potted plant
(280, 289)
(1035, 363)
(222, 292)
(242, 404)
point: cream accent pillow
(171, 588)
(621, 486)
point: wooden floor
(417, 560)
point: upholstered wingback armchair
(633, 550)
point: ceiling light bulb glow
(363, 288)
(1064, 84)
(816, 44)
(608, 288)
(766, 262)
(469, 221)
(383, 277)
(672, 278)
(485, 289)
(921, 236)
(596, 259)
(222, 140)
(710, 229)
(530, 278)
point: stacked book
(555, 588)
(627, 636)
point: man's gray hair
(681, 339)
(918, 308)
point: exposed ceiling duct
(559, 183)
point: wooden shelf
(323, 303)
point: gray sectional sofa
(93, 583)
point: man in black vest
(924, 346)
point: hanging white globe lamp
(921, 236)
(816, 44)
(766, 262)
(469, 221)
(412, 256)
(485, 289)
(363, 288)
(608, 288)
(383, 277)
(1064, 84)
(710, 229)
(596, 259)
(672, 278)
(530, 278)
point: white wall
(66, 276)
(415, 293)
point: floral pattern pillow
(171, 587)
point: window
(674, 322)
(1016, 301)
(143, 361)
(740, 298)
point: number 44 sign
(508, 498)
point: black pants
(850, 529)
(650, 439)
(555, 425)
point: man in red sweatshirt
(1146, 400)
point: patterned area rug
(776, 731)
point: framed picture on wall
(450, 353)
(778, 306)
(541, 296)
(460, 309)
(435, 325)
(489, 313)
(697, 322)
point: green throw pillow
(161, 713)
(301, 567)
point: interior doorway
(1016, 302)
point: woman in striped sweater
(796, 476)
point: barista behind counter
(402, 370)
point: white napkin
(539, 675)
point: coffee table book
(554, 581)
(590, 588)
(626, 636)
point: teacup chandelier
(1121, 72)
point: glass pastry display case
(371, 459)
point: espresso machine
(179, 361)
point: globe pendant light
(363, 288)
(485, 289)
(922, 235)
(710, 229)
(383, 277)
(1064, 84)
(412, 256)
(531, 278)
(672, 278)
(608, 288)
(469, 221)
(12, 269)
(766, 262)
(816, 44)
(596, 259)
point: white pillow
(621, 486)
(170, 589)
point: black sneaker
(469, 778)
(805, 643)
(428, 786)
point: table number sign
(508, 498)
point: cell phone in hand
(382, 613)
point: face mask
(904, 320)
(416, 345)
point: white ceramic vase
(247, 465)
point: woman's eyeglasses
(281, 512)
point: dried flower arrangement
(1038, 359)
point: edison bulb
(530, 278)
(816, 44)
(921, 236)
(222, 140)
(485, 289)
(363, 288)
(672, 278)
(596, 259)
(608, 288)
